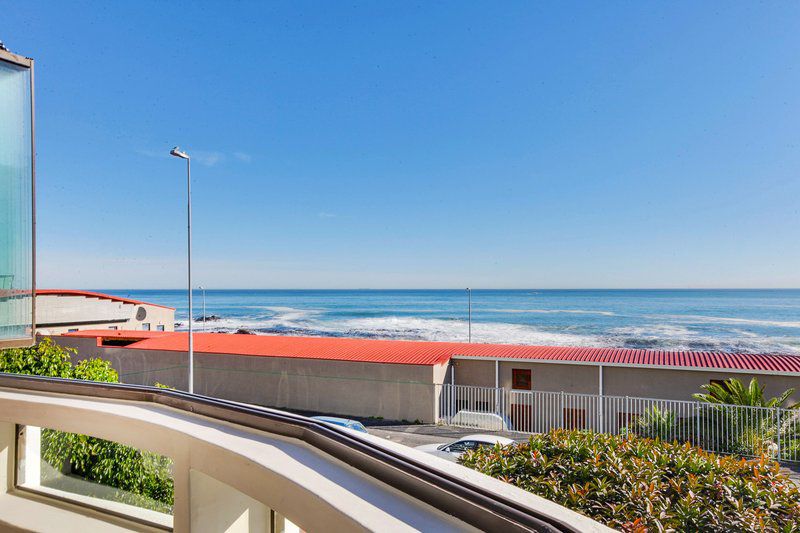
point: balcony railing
(238, 467)
(734, 429)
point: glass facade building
(16, 201)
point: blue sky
(376, 144)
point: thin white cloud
(243, 157)
(202, 157)
(208, 159)
(323, 214)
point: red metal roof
(90, 294)
(769, 363)
(431, 353)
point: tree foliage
(733, 392)
(44, 359)
(139, 476)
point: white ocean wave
(555, 311)
(703, 319)
(654, 330)
(679, 338)
(458, 331)
(288, 314)
(660, 336)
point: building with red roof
(66, 311)
(399, 379)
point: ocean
(762, 321)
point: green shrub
(45, 359)
(144, 477)
(638, 484)
(656, 424)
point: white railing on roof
(733, 429)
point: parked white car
(344, 422)
(453, 450)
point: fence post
(600, 396)
(697, 417)
(600, 412)
(778, 430)
(437, 415)
(452, 402)
(561, 411)
(627, 416)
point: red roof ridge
(436, 352)
(91, 294)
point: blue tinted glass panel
(16, 212)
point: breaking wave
(655, 336)
(554, 311)
(703, 319)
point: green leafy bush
(143, 478)
(45, 359)
(656, 424)
(638, 484)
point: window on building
(160, 327)
(72, 330)
(720, 382)
(146, 326)
(112, 327)
(521, 378)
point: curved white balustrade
(238, 467)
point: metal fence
(735, 429)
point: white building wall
(56, 314)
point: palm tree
(751, 431)
(733, 392)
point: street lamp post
(469, 308)
(183, 155)
(204, 307)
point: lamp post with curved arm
(183, 155)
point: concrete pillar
(30, 464)
(217, 507)
(7, 454)
(181, 508)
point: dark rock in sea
(241, 331)
(209, 318)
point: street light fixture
(202, 288)
(469, 307)
(183, 155)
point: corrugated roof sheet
(90, 294)
(431, 353)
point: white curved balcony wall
(250, 474)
